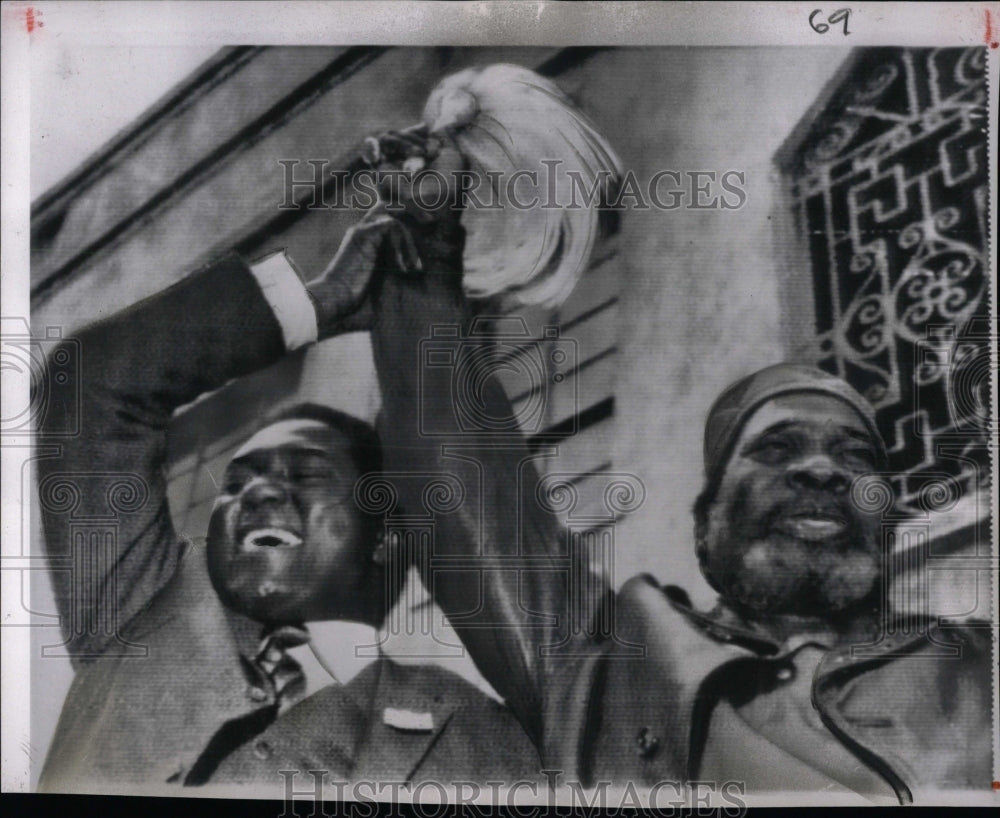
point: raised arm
(509, 600)
(136, 368)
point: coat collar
(874, 641)
(692, 652)
(722, 624)
(725, 625)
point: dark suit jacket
(469, 738)
(157, 656)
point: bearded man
(799, 679)
(797, 688)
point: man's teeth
(816, 527)
(271, 538)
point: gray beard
(779, 574)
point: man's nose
(818, 472)
(262, 490)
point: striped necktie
(284, 675)
(275, 677)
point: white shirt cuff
(285, 292)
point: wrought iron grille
(890, 187)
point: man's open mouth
(813, 525)
(270, 538)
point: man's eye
(770, 451)
(860, 455)
(312, 475)
(233, 485)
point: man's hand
(340, 293)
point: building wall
(707, 295)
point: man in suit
(216, 696)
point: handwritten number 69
(823, 27)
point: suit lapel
(197, 644)
(407, 716)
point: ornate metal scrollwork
(891, 183)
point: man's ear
(702, 507)
(701, 549)
(700, 546)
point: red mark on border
(988, 39)
(31, 21)
(996, 785)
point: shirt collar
(330, 652)
(338, 651)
